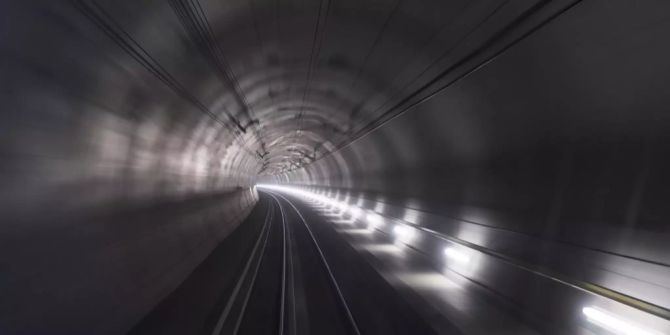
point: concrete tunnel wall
(540, 139)
(554, 153)
(128, 150)
(112, 187)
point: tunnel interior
(133, 135)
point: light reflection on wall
(404, 234)
(472, 234)
(412, 216)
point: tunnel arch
(133, 133)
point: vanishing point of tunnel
(324, 167)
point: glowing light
(457, 255)
(612, 323)
(331, 203)
(404, 233)
(355, 212)
(374, 220)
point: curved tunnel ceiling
(265, 87)
(268, 85)
(543, 118)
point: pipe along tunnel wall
(132, 134)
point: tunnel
(335, 167)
